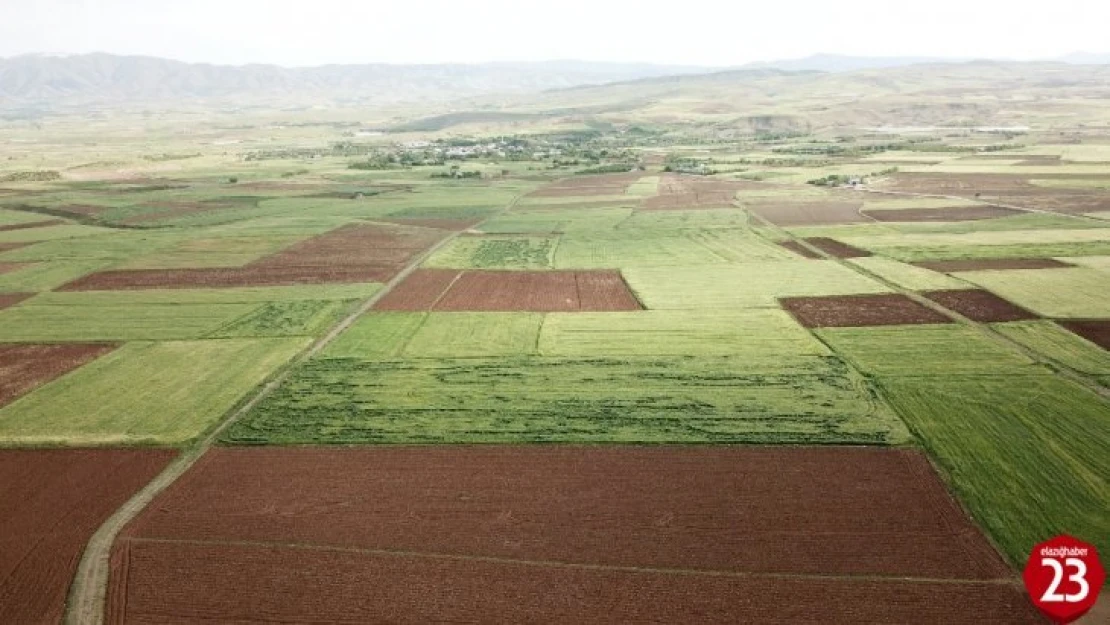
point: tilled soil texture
(809, 213)
(798, 248)
(32, 224)
(353, 253)
(11, 299)
(606, 184)
(509, 291)
(993, 264)
(24, 368)
(692, 192)
(835, 248)
(846, 311)
(419, 291)
(52, 501)
(963, 213)
(1096, 331)
(980, 305)
(510, 533)
(1007, 189)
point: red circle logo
(1063, 578)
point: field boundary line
(561, 564)
(86, 601)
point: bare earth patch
(7, 267)
(1096, 331)
(835, 248)
(998, 264)
(24, 368)
(419, 291)
(470, 533)
(11, 299)
(845, 311)
(965, 213)
(980, 305)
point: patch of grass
(292, 318)
(376, 335)
(768, 337)
(242, 295)
(1079, 292)
(743, 285)
(43, 276)
(211, 252)
(467, 335)
(48, 233)
(701, 246)
(1051, 340)
(1026, 454)
(496, 252)
(666, 221)
(31, 321)
(644, 187)
(145, 393)
(672, 400)
(908, 276)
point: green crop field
(1077, 293)
(1025, 453)
(907, 276)
(1066, 348)
(146, 393)
(496, 252)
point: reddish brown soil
(24, 368)
(962, 213)
(419, 291)
(32, 224)
(566, 533)
(846, 311)
(689, 201)
(354, 253)
(204, 583)
(508, 291)
(835, 248)
(980, 305)
(1096, 331)
(11, 299)
(6, 267)
(798, 248)
(953, 266)
(810, 213)
(51, 502)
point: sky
(706, 32)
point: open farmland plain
(673, 382)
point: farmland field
(765, 346)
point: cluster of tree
(455, 172)
(611, 168)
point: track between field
(87, 597)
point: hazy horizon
(713, 34)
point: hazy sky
(706, 32)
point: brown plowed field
(993, 264)
(508, 291)
(51, 502)
(1096, 331)
(565, 533)
(847, 311)
(607, 184)
(835, 248)
(244, 583)
(6, 267)
(32, 224)
(11, 299)
(980, 305)
(963, 213)
(798, 248)
(689, 201)
(26, 367)
(810, 213)
(353, 253)
(419, 291)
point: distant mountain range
(35, 80)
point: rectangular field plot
(25, 367)
(1049, 339)
(496, 252)
(164, 392)
(1075, 293)
(745, 285)
(53, 502)
(466, 335)
(936, 350)
(670, 534)
(294, 318)
(907, 276)
(212, 252)
(759, 336)
(558, 220)
(37, 323)
(665, 399)
(703, 246)
(1026, 454)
